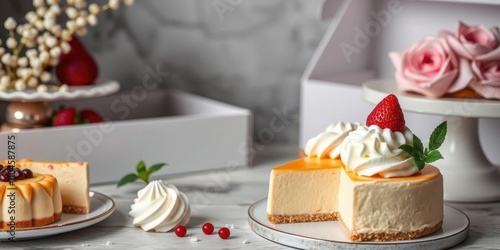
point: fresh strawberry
(387, 114)
(66, 116)
(90, 116)
(77, 67)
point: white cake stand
(30, 109)
(468, 175)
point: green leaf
(433, 156)
(155, 168)
(420, 164)
(438, 136)
(141, 167)
(127, 179)
(411, 151)
(143, 176)
(417, 144)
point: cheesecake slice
(390, 209)
(304, 190)
(73, 179)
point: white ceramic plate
(101, 207)
(101, 88)
(329, 234)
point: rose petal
(485, 90)
(457, 46)
(397, 60)
(465, 76)
(490, 56)
(435, 89)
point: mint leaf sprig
(142, 173)
(423, 155)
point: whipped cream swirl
(160, 207)
(327, 144)
(368, 151)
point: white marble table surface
(222, 197)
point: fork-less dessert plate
(329, 234)
(101, 207)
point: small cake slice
(30, 202)
(73, 179)
(390, 209)
(304, 190)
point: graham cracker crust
(75, 210)
(33, 222)
(391, 236)
(281, 219)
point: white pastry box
(188, 132)
(354, 49)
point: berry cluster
(6, 172)
(207, 229)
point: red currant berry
(208, 228)
(224, 233)
(180, 231)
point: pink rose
(487, 82)
(430, 68)
(475, 42)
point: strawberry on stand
(77, 67)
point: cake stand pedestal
(467, 173)
(31, 109)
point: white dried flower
(80, 4)
(22, 62)
(31, 53)
(55, 9)
(51, 41)
(65, 47)
(2, 50)
(71, 25)
(56, 30)
(70, 2)
(45, 77)
(66, 35)
(114, 4)
(128, 2)
(71, 12)
(6, 58)
(92, 20)
(81, 21)
(32, 82)
(38, 3)
(41, 11)
(44, 56)
(5, 80)
(55, 52)
(20, 85)
(94, 9)
(37, 72)
(42, 88)
(48, 23)
(63, 88)
(30, 16)
(38, 24)
(10, 23)
(35, 64)
(11, 43)
(20, 29)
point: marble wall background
(247, 53)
